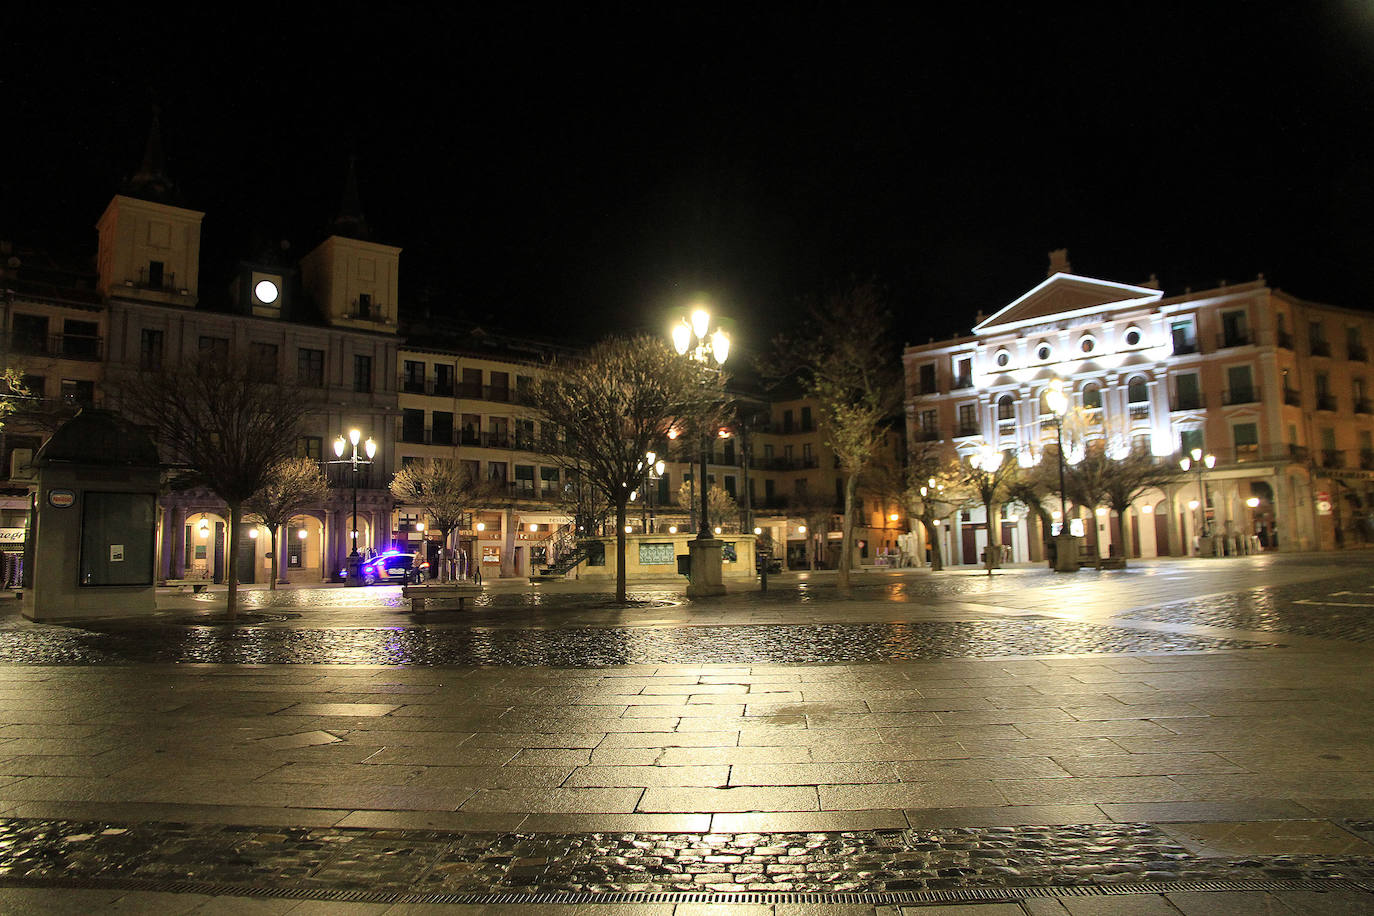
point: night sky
(567, 173)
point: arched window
(1006, 407)
(1137, 392)
(1092, 396)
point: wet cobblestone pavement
(422, 861)
(1343, 610)
(590, 647)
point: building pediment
(1064, 297)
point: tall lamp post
(1065, 545)
(987, 460)
(694, 339)
(1200, 461)
(650, 471)
(354, 559)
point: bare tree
(615, 404)
(445, 490)
(1086, 475)
(1130, 476)
(1031, 489)
(721, 509)
(986, 474)
(15, 394)
(222, 425)
(294, 484)
(845, 359)
(934, 490)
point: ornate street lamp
(370, 447)
(1058, 403)
(695, 339)
(1200, 460)
(651, 471)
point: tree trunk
(851, 486)
(1096, 539)
(232, 566)
(991, 511)
(620, 551)
(1126, 524)
(937, 562)
(272, 531)
(1034, 535)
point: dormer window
(1132, 337)
(1003, 359)
(1043, 352)
(155, 275)
(1087, 344)
(364, 305)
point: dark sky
(568, 172)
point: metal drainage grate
(874, 898)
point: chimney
(1059, 262)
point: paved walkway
(944, 740)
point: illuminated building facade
(1276, 388)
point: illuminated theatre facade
(1275, 388)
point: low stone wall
(654, 556)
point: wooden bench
(419, 595)
(196, 585)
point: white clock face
(266, 291)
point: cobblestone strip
(433, 862)
(596, 647)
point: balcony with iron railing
(1233, 339)
(1326, 402)
(1245, 395)
(165, 280)
(1319, 347)
(967, 429)
(785, 429)
(501, 395)
(410, 385)
(1284, 340)
(786, 464)
(770, 503)
(927, 435)
(60, 346)
(1273, 452)
(1357, 353)
(1185, 347)
(1367, 459)
(1188, 402)
(1363, 405)
(963, 381)
(1140, 411)
(1292, 397)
